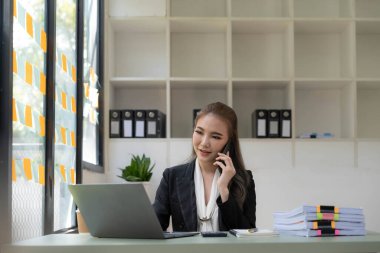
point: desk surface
(84, 243)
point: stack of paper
(320, 221)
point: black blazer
(175, 197)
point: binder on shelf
(273, 123)
(155, 124)
(139, 125)
(115, 124)
(195, 114)
(259, 123)
(127, 117)
(286, 123)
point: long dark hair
(239, 183)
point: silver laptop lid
(117, 211)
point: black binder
(259, 123)
(115, 124)
(286, 123)
(127, 119)
(155, 124)
(139, 126)
(273, 123)
(195, 114)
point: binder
(273, 125)
(127, 117)
(286, 123)
(259, 123)
(139, 125)
(195, 114)
(155, 124)
(114, 124)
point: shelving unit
(319, 58)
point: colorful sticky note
(28, 116)
(27, 168)
(29, 25)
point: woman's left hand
(227, 173)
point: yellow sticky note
(29, 25)
(63, 172)
(74, 74)
(15, 69)
(15, 8)
(28, 168)
(14, 112)
(72, 175)
(72, 136)
(64, 102)
(28, 116)
(28, 73)
(86, 90)
(63, 134)
(64, 62)
(73, 105)
(42, 125)
(43, 83)
(43, 41)
(14, 175)
(41, 174)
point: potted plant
(139, 170)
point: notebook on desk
(119, 211)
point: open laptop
(119, 211)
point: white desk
(84, 243)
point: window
(28, 115)
(92, 90)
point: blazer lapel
(186, 196)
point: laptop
(119, 211)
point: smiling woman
(200, 197)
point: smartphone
(225, 151)
(214, 234)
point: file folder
(155, 124)
(273, 123)
(139, 126)
(127, 123)
(114, 123)
(259, 123)
(286, 123)
(195, 114)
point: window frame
(6, 95)
(99, 168)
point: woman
(214, 191)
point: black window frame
(6, 94)
(100, 71)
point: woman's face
(209, 137)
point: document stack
(320, 221)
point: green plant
(139, 170)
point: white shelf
(137, 8)
(198, 48)
(323, 49)
(367, 8)
(261, 49)
(323, 8)
(198, 8)
(139, 48)
(320, 58)
(324, 107)
(368, 113)
(251, 95)
(368, 49)
(260, 8)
